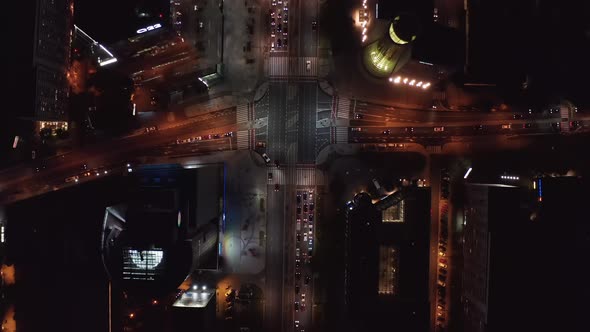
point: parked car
(266, 158)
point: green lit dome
(403, 29)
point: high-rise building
(43, 50)
(491, 213)
(523, 265)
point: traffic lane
(276, 145)
(118, 149)
(391, 114)
(406, 133)
(294, 28)
(210, 145)
(307, 122)
(96, 166)
(307, 16)
(275, 264)
(475, 125)
(304, 315)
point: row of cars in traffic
(442, 260)
(305, 211)
(204, 138)
(279, 25)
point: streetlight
(467, 173)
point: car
(266, 158)
(358, 116)
(439, 129)
(40, 168)
(72, 179)
(277, 187)
(443, 265)
(442, 271)
(310, 218)
(442, 260)
(269, 176)
(517, 116)
(303, 297)
(298, 237)
(506, 126)
(386, 132)
(298, 275)
(298, 199)
(304, 237)
(307, 280)
(297, 306)
(277, 163)
(308, 65)
(527, 125)
(305, 196)
(228, 134)
(440, 307)
(296, 324)
(285, 41)
(478, 127)
(441, 253)
(356, 129)
(298, 210)
(442, 278)
(409, 129)
(297, 252)
(305, 207)
(314, 25)
(297, 263)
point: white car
(266, 158)
(308, 65)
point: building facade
(49, 34)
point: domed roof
(403, 29)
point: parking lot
(304, 246)
(279, 26)
(443, 262)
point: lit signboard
(149, 28)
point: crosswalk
(343, 108)
(301, 176)
(242, 114)
(283, 67)
(243, 137)
(341, 135)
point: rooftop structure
(390, 53)
(387, 263)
